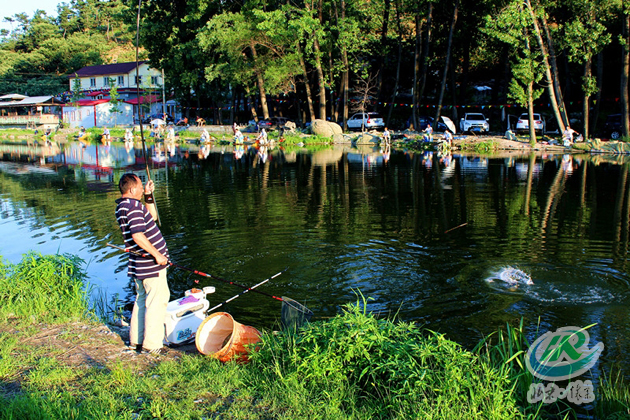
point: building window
(93, 82)
(121, 80)
(154, 80)
(138, 80)
(105, 81)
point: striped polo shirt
(133, 217)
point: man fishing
(141, 234)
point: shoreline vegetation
(352, 366)
(407, 140)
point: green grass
(43, 289)
(6, 133)
(352, 366)
(481, 147)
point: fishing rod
(243, 292)
(144, 146)
(247, 289)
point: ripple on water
(566, 285)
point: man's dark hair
(127, 182)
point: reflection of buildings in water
(369, 159)
(522, 169)
(97, 155)
(30, 152)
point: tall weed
(359, 365)
(43, 288)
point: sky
(11, 7)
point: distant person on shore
(238, 137)
(170, 135)
(128, 136)
(448, 137)
(428, 133)
(386, 136)
(262, 137)
(567, 136)
(509, 134)
(205, 136)
(141, 234)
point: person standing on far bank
(141, 234)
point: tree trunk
(548, 77)
(446, 64)
(391, 108)
(425, 54)
(233, 104)
(309, 95)
(252, 104)
(625, 73)
(345, 74)
(261, 84)
(530, 112)
(465, 69)
(598, 95)
(320, 78)
(554, 69)
(384, 51)
(416, 71)
(453, 91)
(587, 97)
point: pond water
(420, 234)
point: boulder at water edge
(340, 139)
(367, 138)
(325, 128)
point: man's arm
(148, 189)
(145, 244)
(151, 208)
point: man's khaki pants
(149, 311)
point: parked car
(424, 120)
(473, 122)
(368, 120)
(522, 124)
(612, 127)
(272, 122)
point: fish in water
(513, 276)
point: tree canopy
(565, 59)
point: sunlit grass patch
(43, 289)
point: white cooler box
(184, 315)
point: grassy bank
(353, 366)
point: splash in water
(512, 276)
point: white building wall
(97, 115)
(144, 71)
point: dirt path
(84, 345)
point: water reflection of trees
(559, 210)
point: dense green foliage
(356, 363)
(38, 55)
(315, 60)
